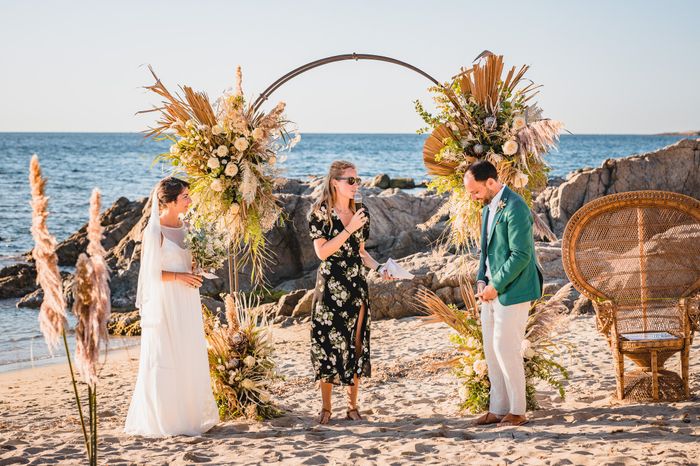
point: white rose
(241, 144)
(217, 186)
(258, 133)
(222, 151)
(510, 147)
(174, 149)
(520, 180)
(272, 160)
(463, 392)
(478, 149)
(231, 169)
(248, 384)
(494, 157)
(216, 130)
(519, 123)
(213, 163)
(480, 367)
(249, 361)
(529, 353)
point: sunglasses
(350, 179)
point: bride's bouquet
(241, 361)
(207, 243)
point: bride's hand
(358, 221)
(189, 279)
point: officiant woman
(340, 319)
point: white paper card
(395, 270)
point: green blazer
(514, 270)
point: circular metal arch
(324, 61)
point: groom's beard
(487, 200)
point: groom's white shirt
(493, 208)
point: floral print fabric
(341, 289)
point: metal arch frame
(233, 264)
(324, 61)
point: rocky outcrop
(117, 221)
(383, 181)
(397, 230)
(17, 280)
(402, 225)
(674, 168)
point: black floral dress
(341, 289)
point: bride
(173, 394)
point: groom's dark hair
(483, 170)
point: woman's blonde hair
(328, 197)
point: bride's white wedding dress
(173, 394)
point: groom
(508, 279)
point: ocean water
(121, 164)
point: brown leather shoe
(488, 418)
(513, 420)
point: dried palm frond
(432, 147)
(175, 108)
(541, 229)
(471, 305)
(232, 314)
(547, 318)
(52, 314)
(430, 303)
(482, 82)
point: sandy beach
(409, 405)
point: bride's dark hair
(169, 189)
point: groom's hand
(488, 294)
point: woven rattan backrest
(636, 249)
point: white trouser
(503, 330)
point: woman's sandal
(349, 412)
(325, 416)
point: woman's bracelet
(348, 231)
(379, 266)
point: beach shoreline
(409, 405)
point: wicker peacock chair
(636, 256)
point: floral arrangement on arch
(482, 115)
(241, 361)
(228, 152)
(546, 320)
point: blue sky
(606, 66)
